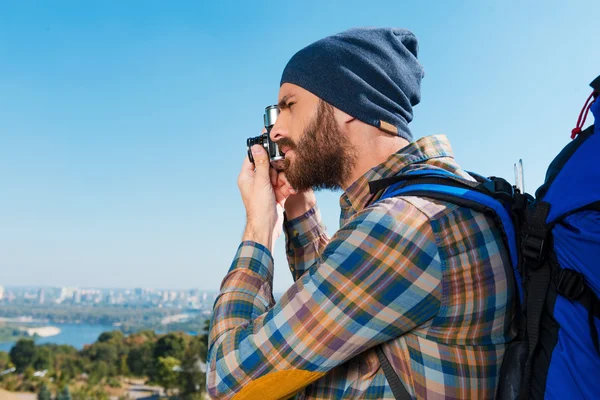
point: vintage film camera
(275, 155)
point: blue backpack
(554, 245)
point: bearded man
(422, 286)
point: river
(76, 335)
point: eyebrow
(283, 102)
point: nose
(278, 130)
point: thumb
(261, 162)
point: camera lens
(260, 140)
(249, 143)
(271, 113)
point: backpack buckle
(533, 250)
(499, 188)
(571, 284)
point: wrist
(258, 234)
(295, 207)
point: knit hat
(371, 74)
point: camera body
(275, 156)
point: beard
(324, 156)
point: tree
(115, 336)
(66, 367)
(139, 359)
(5, 361)
(43, 358)
(170, 345)
(107, 352)
(167, 372)
(99, 370)
(88, 392)
(104, 359)
(28, 374)
(64, 394)
(22, 354)
(193, 375)
(44, 393)
(123, 368)
(204, 335)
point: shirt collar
(430, 150)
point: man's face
(318, 154)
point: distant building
(66, 294)
(77, 297)
(183, 296)
(31, 296)
(10, 297)
(1, 292)
(41, 296)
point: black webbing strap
(538, 270)
(536, 298)
(398, 388)
(593, 312)
(572, 285)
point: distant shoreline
(44, 331)
(24, 332)
(21, 319)
(175, 318)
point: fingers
(261, 162)
(281, 194)
(247, 165)
(283, 189)
(282, 181)
(273, 176)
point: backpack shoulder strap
(398, 389)
(478, 196)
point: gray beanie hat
(371, 74)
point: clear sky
(123, 124)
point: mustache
(286, 142)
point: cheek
(290, 155)
(298, 126)
(295, 134)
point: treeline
(173, 361)
(129, 318)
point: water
(76, 335)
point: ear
(341, 117)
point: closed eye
(286, 102)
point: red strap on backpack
(583, 114)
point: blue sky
(123, 124)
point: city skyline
(58, 295)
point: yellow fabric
(277, 385)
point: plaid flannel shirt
(429, 280)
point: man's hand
(264, 202)
(266, 193)
(299, 203)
